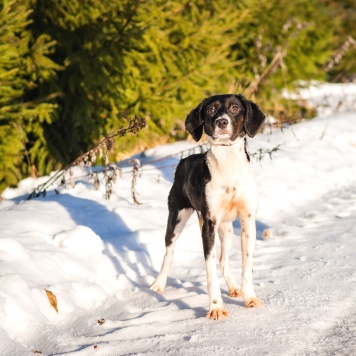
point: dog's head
(224, 118)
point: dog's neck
(232, 151)
(226, 143)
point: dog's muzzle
(222, 126)
(222, 123)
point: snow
(99, 257)
(327, 98)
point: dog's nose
(222, 123)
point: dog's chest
(232, 188)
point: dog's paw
(217, 314)
(235, 293)
(254, 303)
(157, 288)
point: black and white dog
(220, 186)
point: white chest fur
(232, 190)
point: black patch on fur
(192, 175)
(188, 192)
(171, 224)
(254, 117)
(195, 121)
(209, 227)
(246, 153)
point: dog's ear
(254, 117)
(194, 122)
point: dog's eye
(234, 109)
(211, 111)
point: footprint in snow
(343, 214)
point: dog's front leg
(248, 240)
(226, 234)
(216, 307)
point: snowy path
(302, 274)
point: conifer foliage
(20, 116)
(68, 69)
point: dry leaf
(101, 321)
(52, 299)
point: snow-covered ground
(98, 258)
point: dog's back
(190, 177)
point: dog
(220, 186)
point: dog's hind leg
(175, 225)
(226, 234)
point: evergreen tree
(92, 38)
(19, 117)
(182, 57)
(69, 68)
(153, 59)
